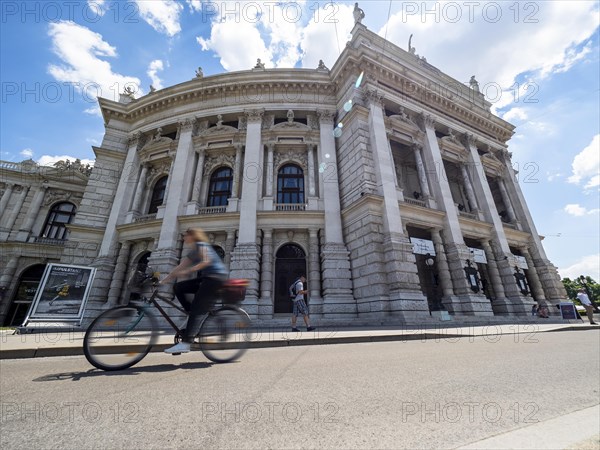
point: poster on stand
(62, 293)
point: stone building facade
(383, 179)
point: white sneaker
(182, 347)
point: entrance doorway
(290, 263)
(25, 293)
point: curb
(44, 352)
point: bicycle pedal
(175, 354)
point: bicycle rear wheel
(225, 334)
(119, 338)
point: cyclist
(200, 257)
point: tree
(588, 283)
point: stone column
(551, 282)
(513, 301)
(232, 203)
(400, 271)
(139, 190)
(442, 265)
(311, 171)
(14, 213)
(506, 200)
(236, 172)
(265, 305)
(314, 274)
(465, 301)
(32, 213)
(495, 278)
(421, 171)
(119, 275)
(246, 256)
(269, 200)
(537, 290)
(8, 273)
(229, 246)
(337, 279)
(165, 257)
(198, 179)
(6, 198)
(469, 189)
(170, 181)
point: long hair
(198, 234)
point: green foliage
(572, 286)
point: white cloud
(96, 8)
(515, 113)
(26, 153)
(551, 176)
(48, 160)
(80, 50)
(586, 165)
(153, 68)
(195, 5)
(575, 209)
(499, 52)
(162, 15)
(277, 35)
(588, 265)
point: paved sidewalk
(69, 343)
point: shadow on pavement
(76, 376)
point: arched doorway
(24, 295)
(290, 263)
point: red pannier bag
(234, 290)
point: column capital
(134, 139)
(374, 97)
(326, 116)
(313, 232)
(268, 233)
(186, 124)
(469, 140)
(254, 115)
(427, 121)
(417, 146)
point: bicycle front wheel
(225, 334)
(119, 338)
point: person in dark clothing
(200, 257)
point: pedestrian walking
(297, 292)
(587, 304)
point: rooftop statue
(474, 84)
(199, 73)
(359, 14)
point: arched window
(290, 184)
(60, 215)
(219, 189)
(158, 195)
(219, 251)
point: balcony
(145, 218)
(49, 241)
(412, 201)
(468, 215)
(290, 207)
(212, 210)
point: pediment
(219, 129)
(290, 126)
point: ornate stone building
(386, 181)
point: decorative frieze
(212, 162)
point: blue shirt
(216, 268)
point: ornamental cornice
(214, 161)
(290, 155)
(56, 195)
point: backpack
(292, 289)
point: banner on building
(478, 255)
(521, 262)
(62, 293)
(422, 246)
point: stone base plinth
(469, 305)
(245, 263)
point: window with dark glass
(220, 187)
(290, 185)
(60, 215)
(158, 195)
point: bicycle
(122, 336)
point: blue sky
(56, 57)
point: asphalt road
(417, 394)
